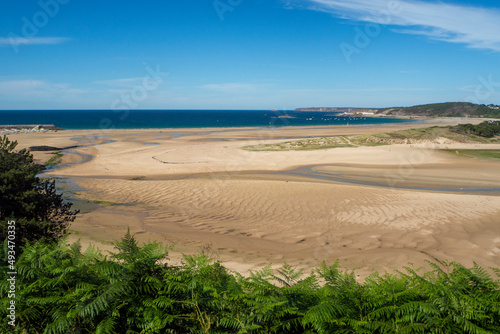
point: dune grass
(387, 138)
(303, 145)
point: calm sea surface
(148, 119)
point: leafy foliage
(484, 129)
(62, 290)
(39, 212)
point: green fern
(62, 290)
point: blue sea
(150, 119)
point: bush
(484, 129)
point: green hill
(448, 109)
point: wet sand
(371, 209)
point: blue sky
(247, 54)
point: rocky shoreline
(27, 128)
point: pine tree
(32, 202)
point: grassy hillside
(449, 109)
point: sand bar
(197, 188)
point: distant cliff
(449, 109)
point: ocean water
(148, 119)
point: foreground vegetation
(62, 290)
(33, 202)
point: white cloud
(125, 82)
(15, 41)
(37, 88)
(14, 85)
(233, 87)
(474, 26)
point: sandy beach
(370, 208)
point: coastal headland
(375, 207)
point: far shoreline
(419, 121)
(106, 120)
(409, 120)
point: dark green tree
(484, 129)
(32, 202)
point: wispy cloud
(233, 87)
(37, 89)
(359, 90)
(124, 82)
(477, 27)
(15, 41)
